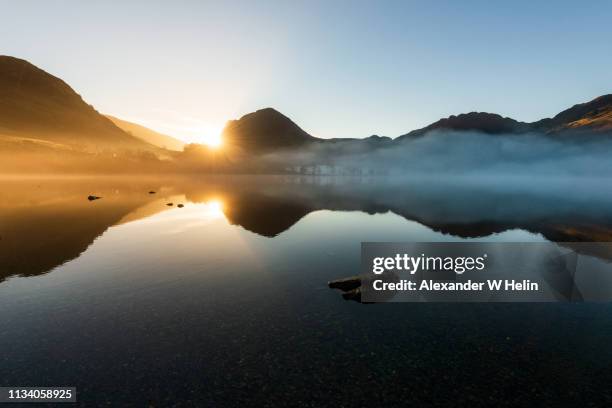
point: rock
(350, 287)
(353, 294)
(170, 204)
(93, 197)
(345, 284)
(151, 192)
(180, 206)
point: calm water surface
(224, 302)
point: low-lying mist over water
(453, 153)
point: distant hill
(36, 104)
(593, 116)
(46, 126)
(148, 135)
(264, 130)
(267, 129)
(489, 123)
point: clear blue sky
(338, 68)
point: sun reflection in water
(214, 209)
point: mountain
(489, 123)
(38, 105)
(595, 115)
(148, 135)
(45, 126)
(267, 129)
(264, 130)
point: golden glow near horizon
(186, 129)
(214, 142)
(203, 133)
(207, 133)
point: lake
(224, 302)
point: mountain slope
(595, 115)
(264, 130)
(592, 116)
(34, 103)
(148, 135)
(484, 122)
(267, 129)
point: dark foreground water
(224, 302)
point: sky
(337, 68)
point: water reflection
(226, 299)
(43, 224)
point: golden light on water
(214, 209)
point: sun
(214, 142)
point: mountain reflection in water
(45, 223)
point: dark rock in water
(151, 192)
(351, 287)
(180, 206)
(353, 294)
(345, 284)
(93, 197)
(170, 204)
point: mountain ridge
(264, 129)
(148, 135)
(35, 103)
(489, 123)
(593, 116)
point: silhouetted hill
(489, 123)
(593, 116)
(378, 139)
(45, 126)
(267, 129)
(36, 104)
(148, 135)
(264, 130)
(373, 140)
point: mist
(459, 153)
(435, 155)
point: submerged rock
(351, 287)
(170, 204)
(93, 197)
(151, 192)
